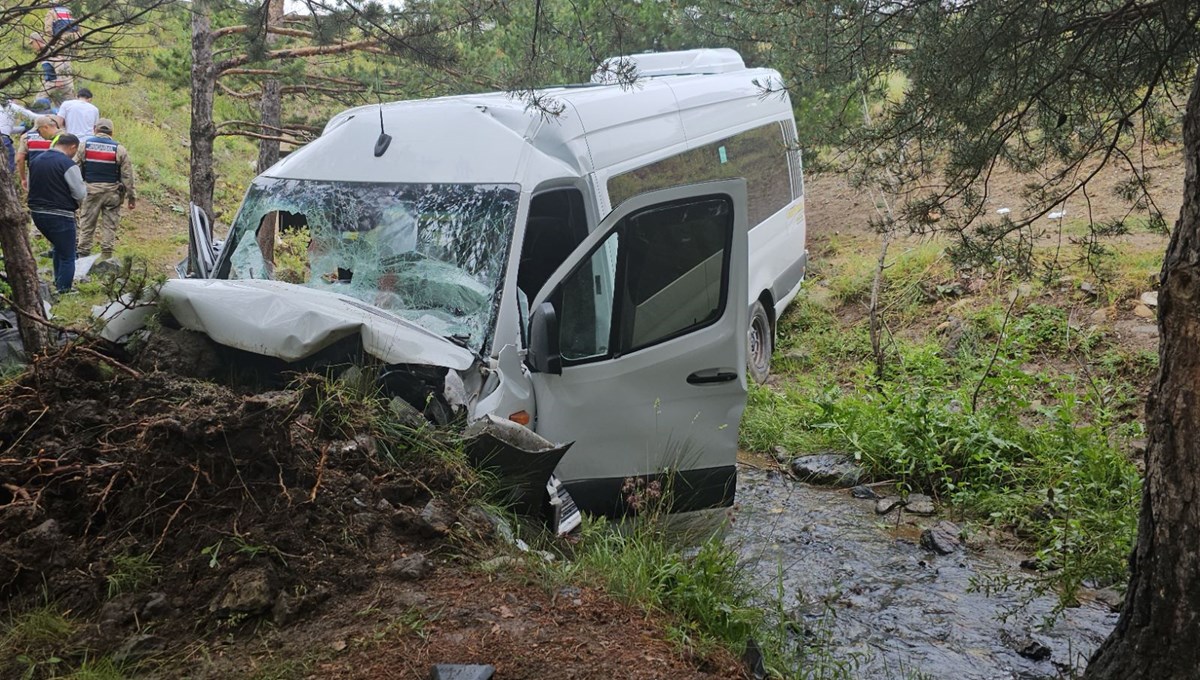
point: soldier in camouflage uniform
(108, 173)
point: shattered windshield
(432, 254)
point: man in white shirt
(12, 115)
(80, 114)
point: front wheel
(759, 344)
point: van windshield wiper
(460, 339)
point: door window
(660, 274)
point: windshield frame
(223, 266)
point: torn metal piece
(522, 461)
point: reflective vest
(100, 161)
(61, 20)
(35, 145)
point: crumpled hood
(292, 322)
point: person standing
(55, 189)
(12, 116)
(108, 174)
(57, 82)
(34, 143)
(80, 114)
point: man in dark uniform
(55, 190)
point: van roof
(496, 138)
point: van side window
(557, 224)
(659, 275)
(760, 155)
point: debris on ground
(171, 517)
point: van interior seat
(548, 242)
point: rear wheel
(759, 344)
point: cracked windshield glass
(432, 254)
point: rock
(885, 505)
(1100, 316)
(864, 492)
(156, 606)
(251, 590)
(1138, 446)
(121, 610)
(359, 481)
(942, 538)
(831, 469)
(1026, 646)
(412, 567)
(436, 519)
(1088, 287)
(1111, 599)
(781, 454)
(1034, 564)
(289, 606)
(444, 671)
(1143, 311)
(1149, 298)
(919, 504)
(1147, 330)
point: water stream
(891, 607)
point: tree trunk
(19, 266)
(1158, 633)
(271, 115)
(271, 106)
(202, 180)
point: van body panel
(669, 406)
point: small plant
(32, 644)
(130, 573)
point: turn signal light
(520, 417)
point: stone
(864, 492)
(406, 414)
(1149, 298)
(1026, 646)
(250, 590)
(1088, 287)
(444, 671)
(885, 505)
(942, 538)
(156, 606)
(359, 481)
(1100, 316)
(1138, 446)
(289, 606)
(1111, 599)
(121, 610)
(1146, 330)
(1143, 311)
(497, 563)
(412, 567)
(829, 469)
(919, 504)
(436, 519)
(781, 454)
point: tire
(759, 345)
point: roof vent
(685, 62)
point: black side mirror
(543, 354)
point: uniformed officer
(33, 143)
(109, 176)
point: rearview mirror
(543, 356)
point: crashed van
(595, 269)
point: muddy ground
(188, 529)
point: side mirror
(543, 356)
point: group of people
(75, 177)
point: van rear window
(760, 155)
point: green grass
(33, 643)
(130, 573)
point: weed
(33, 642)
(130, 573)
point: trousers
(60, 232)
(101, 207)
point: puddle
(901, 610)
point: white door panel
(651, 317)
